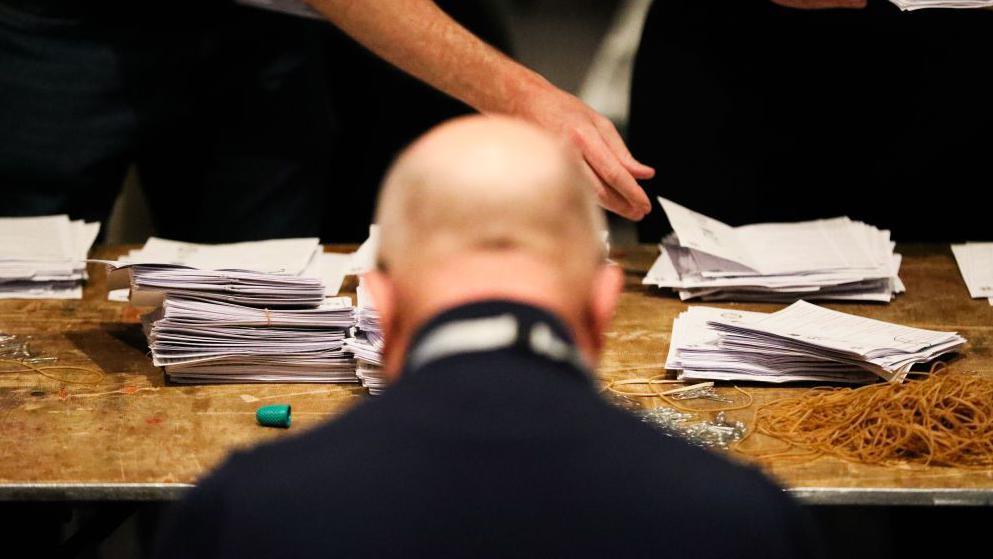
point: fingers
(614, 175)
(614, 141)
(612, 201)
(608, 198)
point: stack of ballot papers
(44, 257)
(803, 342)
(366, 344)
(152, 284)
(249, 312)
(284, 257)
(201, 339)
(243, 312)
(921, 4)
(975, 261)
(836, 259)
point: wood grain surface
(133, 429)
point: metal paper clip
(708, 434)
(703, 390)
(18, 348)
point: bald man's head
(486, 207)
(487, 184)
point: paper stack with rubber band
(829, 259)
(243, 312)
(204, 340)
(285, 264)
(803, 342)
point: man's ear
(608, 282)
(383, 294)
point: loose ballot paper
(838, 259)
(44, 257)
(293, 7)
(975, 261)
(803, 342)
(922, 4)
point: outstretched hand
(431, 46)
(611, 168)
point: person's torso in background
(754, 112)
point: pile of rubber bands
(945, 419)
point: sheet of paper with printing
(975, 261)
(803, 342)
(837, 259)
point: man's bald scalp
(485, 183)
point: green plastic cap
(274, 416)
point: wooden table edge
(810, 496)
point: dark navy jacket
(493, 453)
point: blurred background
(243, 124)
(583, 46)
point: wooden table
(133, 438)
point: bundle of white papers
(975, 261)
(921, 4)
(150, 284)
(246, 312)
(289, 257)
(366, 344)
(274, 256)
(44, 257)
(371, 376)
(201, 340)
(803, 342)
(836, 259)
(334, 312)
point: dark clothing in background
(222, 108)
(753, 112)
(243, 123)
(379, 109)
(495, 453)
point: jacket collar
(494, 325)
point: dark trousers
(752, 112)
(222, 108)
(379, 110)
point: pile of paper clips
(18, 348)
(717, 433)
(677, 418)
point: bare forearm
(419, 38)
